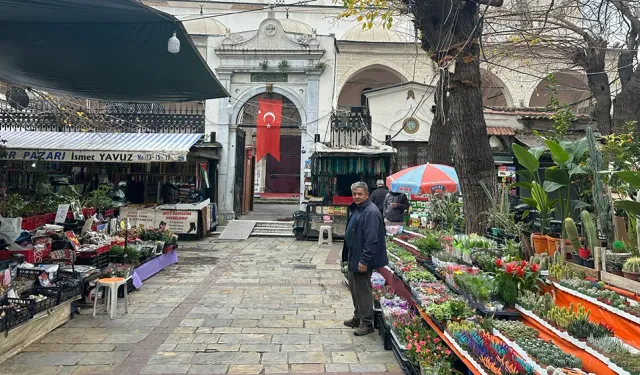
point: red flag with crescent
(268, 123)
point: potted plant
(539, 200)
(615, 265)
(631, 268)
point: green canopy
(113, 50)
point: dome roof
(295, 27)
(376, 34)
(204, 26)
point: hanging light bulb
(174, 44)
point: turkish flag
(268, 128)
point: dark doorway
(284, 176)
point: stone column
(226, 166)
(311, 127)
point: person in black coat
(378, 195)
(365, 250)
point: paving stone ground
(259, 306)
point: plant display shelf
(409, 247)
(480, 309)
(627, 326)
(536, 367)
(465, 357)
(415, 234)
(473, 366)
(592, 361)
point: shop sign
(97, 156)
(179, 222)
(182, 222)
(506, 171)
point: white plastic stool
(110, 289)
(325, 229)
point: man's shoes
(363, 330)
(352, 323)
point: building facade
(331, 75)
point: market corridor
(260, 306)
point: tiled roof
(527, 113)
(500, 130)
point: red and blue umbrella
(425, 179)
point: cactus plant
(602, 201)
(572, 233)
(632, 265)
(589, 230)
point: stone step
(273, 228)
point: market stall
(332, 171)
(148, 168)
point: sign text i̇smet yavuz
(96, 156)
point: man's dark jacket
(377, 197)
(365, 242)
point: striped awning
(98, 147)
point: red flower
(524, 263)
(510, 268)
(520, 272)
(535, 268)
(498, 262)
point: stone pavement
(259, 306)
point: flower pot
(590, 263)
(539, 243)
(616, 272)
(576, 259)
(631, 275)
(584, 253)
(552, 245)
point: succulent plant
(632, 265)
(589, 230)
(515, 329)
(541, 260)
(548, 354)
(572, 233)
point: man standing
(378, 196)
(395, 204)
(365, 250)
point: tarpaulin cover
(113, 50)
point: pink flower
(409, 346)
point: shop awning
(114, 50)
(98, 147)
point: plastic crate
(14, 316)
(31, 255)
(30, 273)
(32, 305)
(28, 223)
(385, 333)
(99, 261)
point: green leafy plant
(500, 214)
(619, 247)
(99, 198)
(479, 286)
(539, 199)
(447, 210)
(428, 245)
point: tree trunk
(599, 87)
(454, 37)
(473, 156)
(440, 135)
(593, 59)
(625, 106)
